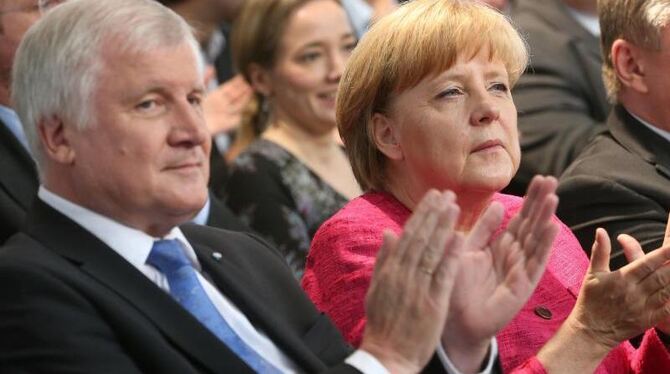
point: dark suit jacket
(18, 183)
(561, 98)
(70, 304)
(620, 182)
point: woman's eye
(309, 57)
(350, 46)
(450, 92)
(502, 87)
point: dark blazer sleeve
(620, 183)
(590, 201)
(46, 327)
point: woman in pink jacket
(425, 103)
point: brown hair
(421, 38)
(637, 21)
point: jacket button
(543, 312)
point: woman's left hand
(496, 278)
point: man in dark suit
(103, 279)
(621, 181)
(18, 174)
(560, 98)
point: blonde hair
(637, 21)
(421, 38)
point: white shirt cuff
(451, 369)
(366, 363)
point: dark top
(281, 198)
(620, 182)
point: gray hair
(637, 21)
(57, 64)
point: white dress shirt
(203, 214)
(134, 246)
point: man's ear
(260, 79)
(55, 140)
(385, 136)
(629, 65)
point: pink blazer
(341, 260)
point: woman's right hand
(612, 306)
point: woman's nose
(336, 67)
(485, 111)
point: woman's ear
(260, 79)
(55, 143)
(629, 65)
(385, 136)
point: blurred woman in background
(290, 174)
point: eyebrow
(163, 91)
(318, 43)
(461, 75)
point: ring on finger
(426, 270)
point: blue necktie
(168, 257)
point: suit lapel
(19, 175)
(101, 263)
(638, 139)
(245, 292)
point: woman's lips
(328, 97)
(487, 145)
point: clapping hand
(497, 277)
(408, 299)
(612, 306)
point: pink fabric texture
(341, 261)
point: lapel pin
(217, 256)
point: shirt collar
(588, 21)
(662, 133)
(131, 244)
